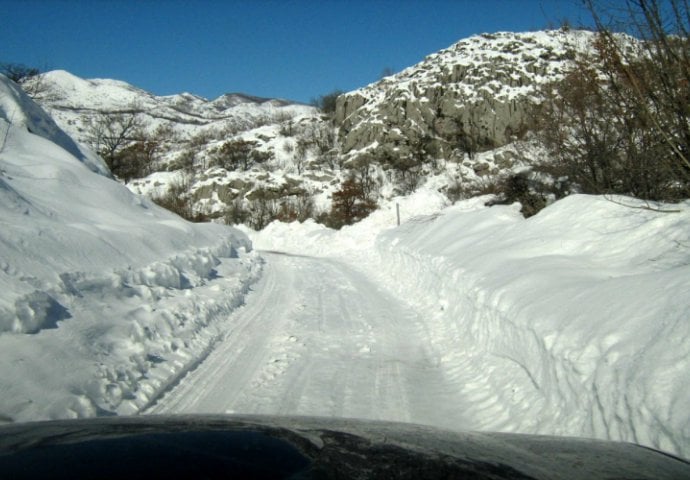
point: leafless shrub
(620, 121)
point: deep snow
(573, 322)
(97, 312)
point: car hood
(248, 446)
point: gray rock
(475, 95)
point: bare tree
(652, 80)
(363, 167)
(178, 199)
(18, 72)
(29, 78)
(326, 103)
(350, 204)
(580, 125)
(619, 122)
(300, 155)
(235, 154)
(109, 133)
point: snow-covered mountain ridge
(65, 94)
(183, 136)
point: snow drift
(95, 315)
(573, 322)
(16, 108)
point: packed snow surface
(573, 322)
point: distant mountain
(187, 133)
(73, 101)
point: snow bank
(18, 109)
(315, 239)
(573, 322)
(105, 298)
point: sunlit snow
(573, 322)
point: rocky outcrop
(475, 95)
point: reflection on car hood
(232, 446)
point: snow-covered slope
(72, 101)
(16, 110)
(478, 90)
(573, 322)
(458, 119)
(185, 132)
(95, 311)
(429, 120)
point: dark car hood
(232, 446)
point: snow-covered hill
(183, 136)
(95, 314)
(72, 101)
(475, 94)
(455, 120)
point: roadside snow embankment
(105, 298)
(573, 322)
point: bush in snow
(135, 160)
(619, 121)
(518, 188)
(239, 154)
(234, 154)
(350, 205)
(177, 199)
(326, 103)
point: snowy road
(317, 337)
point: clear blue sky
(293, 49)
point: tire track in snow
(240, 347)
(317, 337)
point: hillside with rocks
(438, 304)
(473, 96)
(211, 153)
(459, 121)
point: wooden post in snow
(397, 211)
